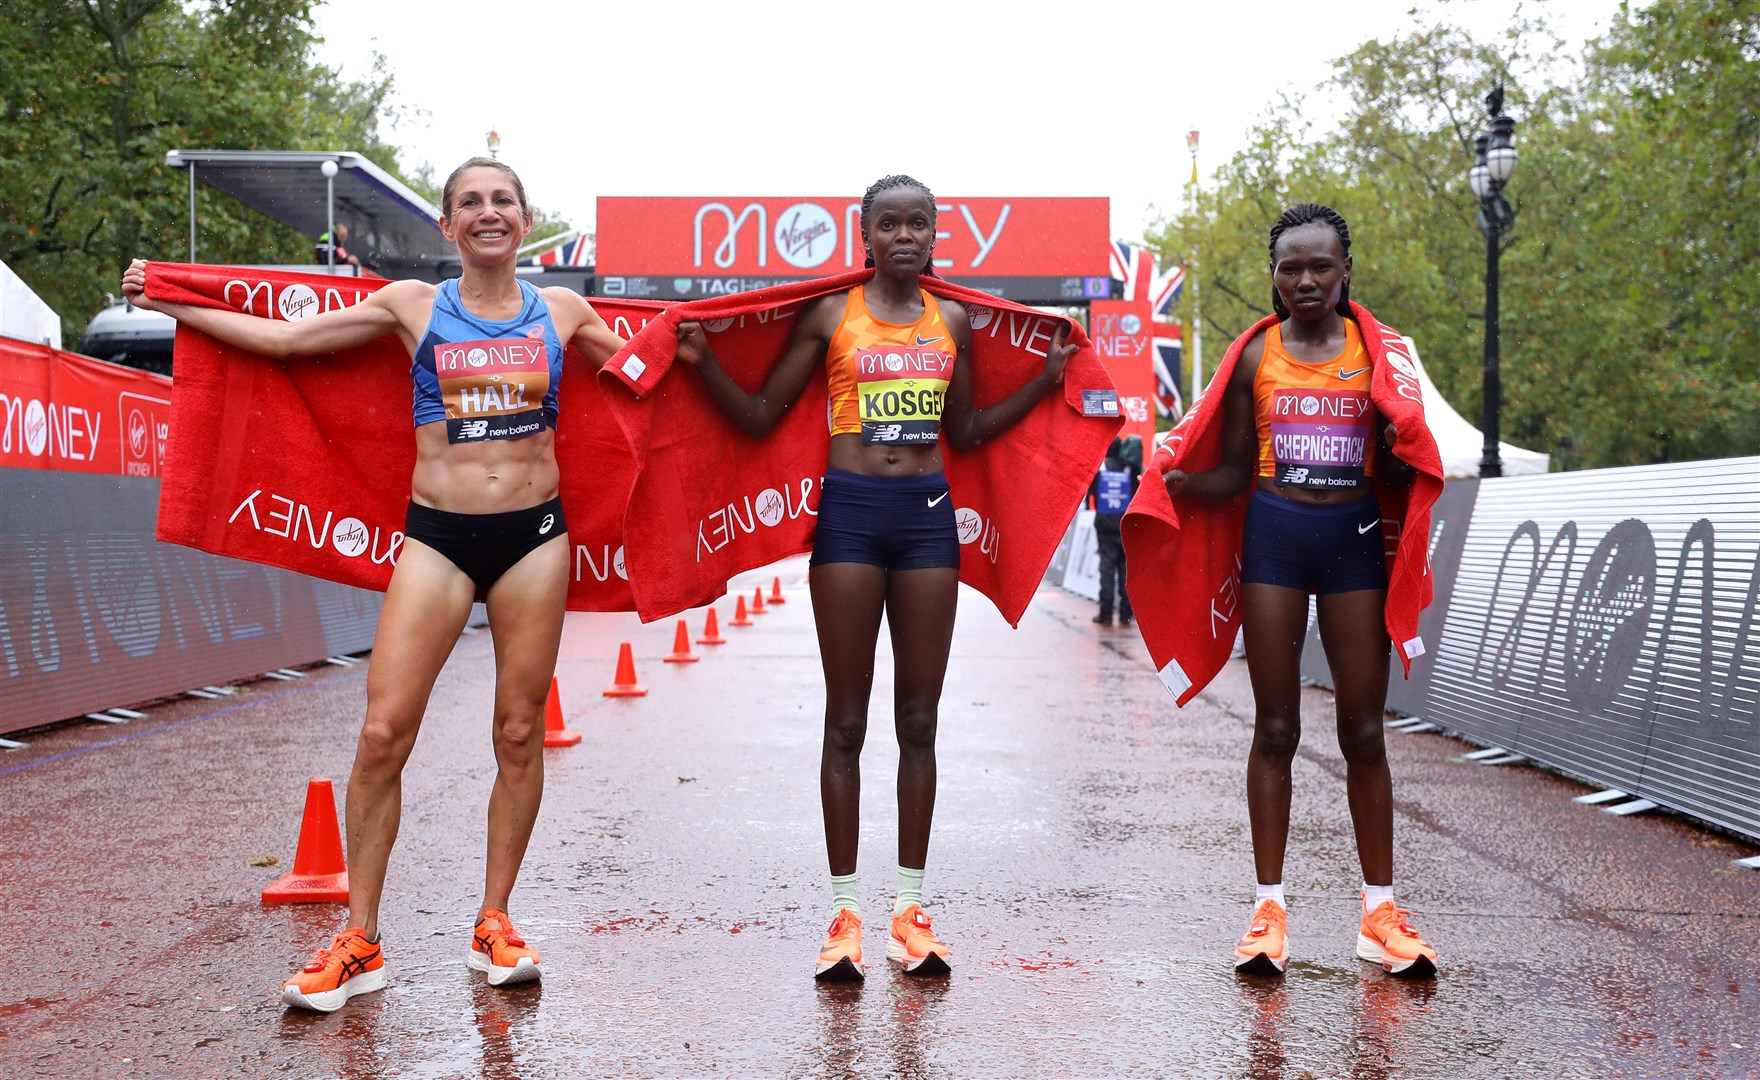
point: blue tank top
(487, 378)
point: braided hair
(883, 184)
(1311, 214)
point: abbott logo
(297, 302)
(349, 537)
(805, 235)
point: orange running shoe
(499, 952)
(1388, 938)
(350, 965)
(1264, 948)
(840, 958)
(914, 944)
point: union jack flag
(1133, 264)
(573, 250)
(1164, 293)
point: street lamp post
(1192, 276)
(1494, 162)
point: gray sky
(796, 97)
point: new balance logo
(1361, 529)
(1351, 374)
(937, 499)
(888, 432)
(473, 429)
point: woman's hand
(1058, 355)
(1391, 434)
(1175, 479)
(693, 342)
(134, 285)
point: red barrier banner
(71, 413)
(791, 237)
(1124, 337)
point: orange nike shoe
(914, 945)
(1388, 938)
(499, 952)
(350, 965)
(1264, 948)
(840, 958)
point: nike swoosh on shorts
(1361, 529)
(937, 499)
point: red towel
(1184, 557)
(710, 502)
(305, 464)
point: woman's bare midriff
(849, 455)
(493, 477)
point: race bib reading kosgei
(900, 392)
(1319, 438)
(493, 389)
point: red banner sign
(806, 238)
(71, 413)
(1123, 336)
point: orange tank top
(888, 382)
(1316, 422)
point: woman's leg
(1355, 636)
(847, 601)
(1274, 622)
(525, 605)
(920, 608)
(425, 609)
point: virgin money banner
(783, 239)
(1124, 340)
(305, 464)
(72, 413)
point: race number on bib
(493, 389)
(900, 392)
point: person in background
(1112, 489)
(321, 249)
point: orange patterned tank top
(888, 382)
(1316, 423)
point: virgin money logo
(715, 326)
(349, 537)
(476, 358)
(296, 302)
(805, 235)
(894, 362)
(1310, 406)
(770, 506)
(969, 523)
(36, 428)
(980, 315)
(137, 433)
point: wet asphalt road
(1090, 868)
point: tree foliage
(94, 92)
(1630, 283)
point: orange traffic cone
(625, 685)
(776, 596)
(557, 733)
(319, 876)
(758, 601)
(711, 631)
(739, 614)
(681, 646)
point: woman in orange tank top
(898, 363)
(1300, 431)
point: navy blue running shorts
(896, 522)
(1319, 549)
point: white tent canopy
(1462, 444)
(23, 315)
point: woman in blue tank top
(485, 523)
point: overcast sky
(819, 98)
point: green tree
(94, 92)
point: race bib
(1320, 438)
(493, 389)
(1113, 492)
(900, 392)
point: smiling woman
(484, 524)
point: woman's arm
(383, 312)
(1392, 467)
(968, 427)
(757, 414)
(589, 333)
(1240, 437)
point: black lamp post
(1494, 162)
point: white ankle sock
(1376, 895)
(1270, 892)
(910, 889)
(843, 893)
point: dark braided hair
(897, 180)
(1311, 214)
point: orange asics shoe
(351, 965)
(1388, 938)
(914, 944)
(840, 958)
(499, 952)
(1264, 948)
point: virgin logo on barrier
(805, 235)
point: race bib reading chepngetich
(900, 392)
(1320, 438)
(493, 389)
